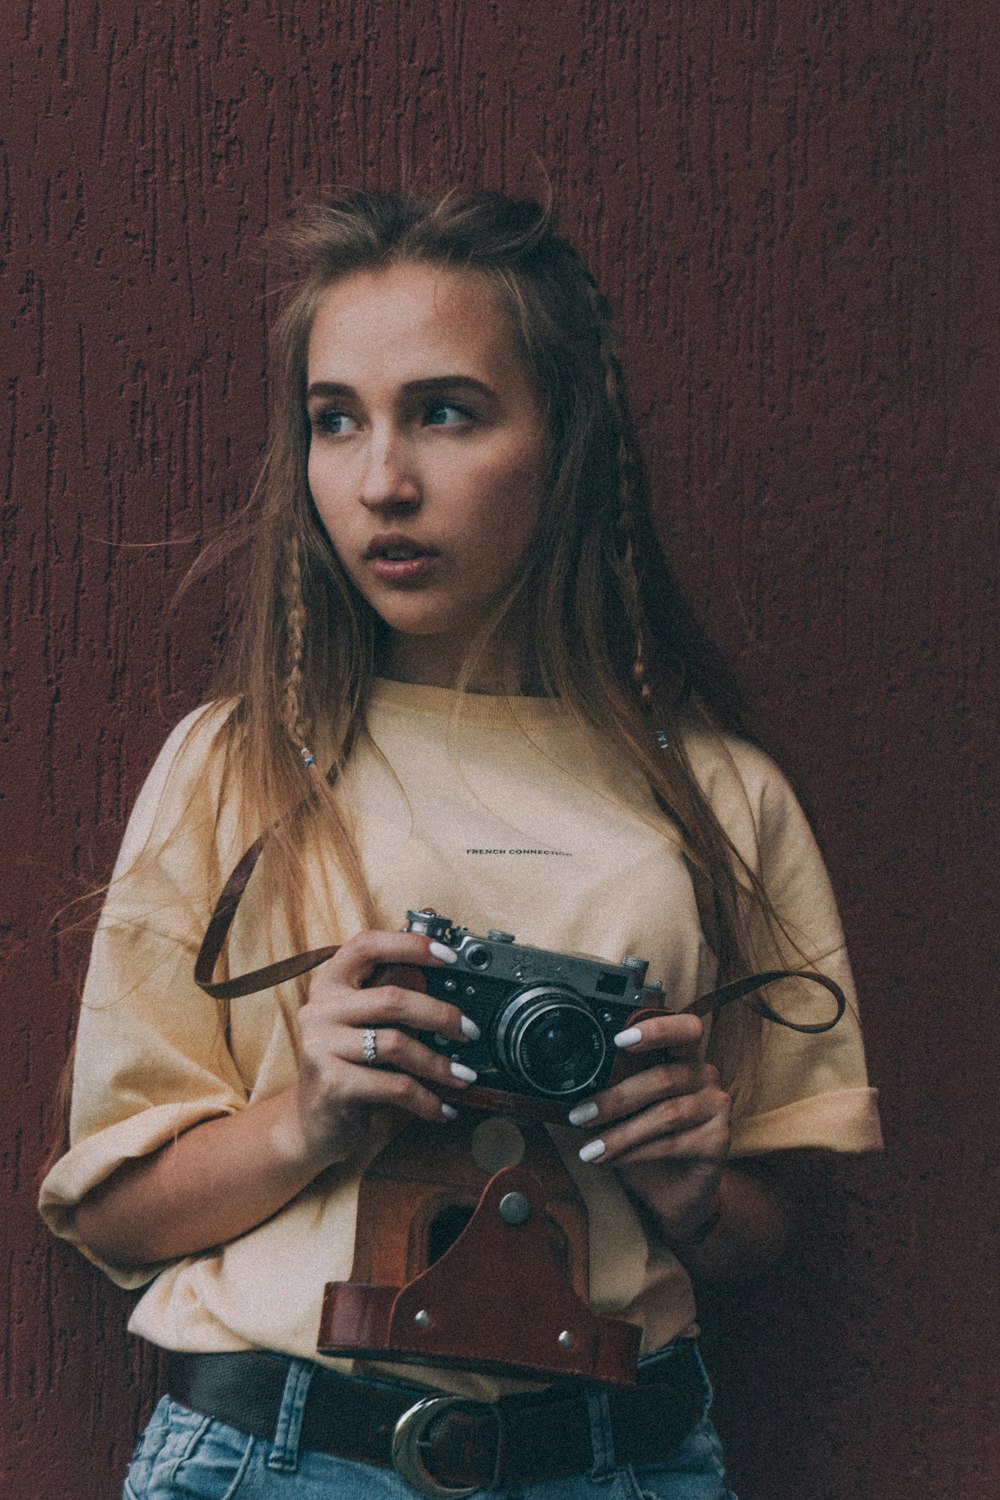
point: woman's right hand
(373, 985)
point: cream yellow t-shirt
(498, 813)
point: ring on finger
(369, 1046)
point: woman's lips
(397, 560)
(402, 570)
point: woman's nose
(389, 477)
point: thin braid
(297, 726)
(628, 472)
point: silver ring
(369, 1048)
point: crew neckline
(481, 709)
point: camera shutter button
(637, 968)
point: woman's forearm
(213, 1183)
(748, 1223)
(223, 1177)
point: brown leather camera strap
(217, 931)
(742, 989)
(300, 963)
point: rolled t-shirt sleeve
(806, 1090)
(151, 1056)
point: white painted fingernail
(592, 1150)
(582, 1114)
(449, 1111)
(470, 1029)
(629, 1037)
(467, 1075)
(448, 955)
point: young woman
(464, 680)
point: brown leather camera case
(508, 1292)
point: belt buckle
(406, 1455)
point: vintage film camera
(472, 1245)
(548, 1020)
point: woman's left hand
(666, 1127)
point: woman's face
(427, 455)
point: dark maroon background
(794, 205)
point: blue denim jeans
(185, 1456)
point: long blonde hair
(611, 634)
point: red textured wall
(795, 208)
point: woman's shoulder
(186, 782)
(197, 738)
(748, 792)
(727, 767)
(193, 752)
(193, 740)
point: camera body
(547, 1020)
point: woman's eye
(447, 414)
(336, 423)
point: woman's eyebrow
(328, 388)
(440, 383)
(433, 385)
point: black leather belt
(446, 1445)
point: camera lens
(550, 1041)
